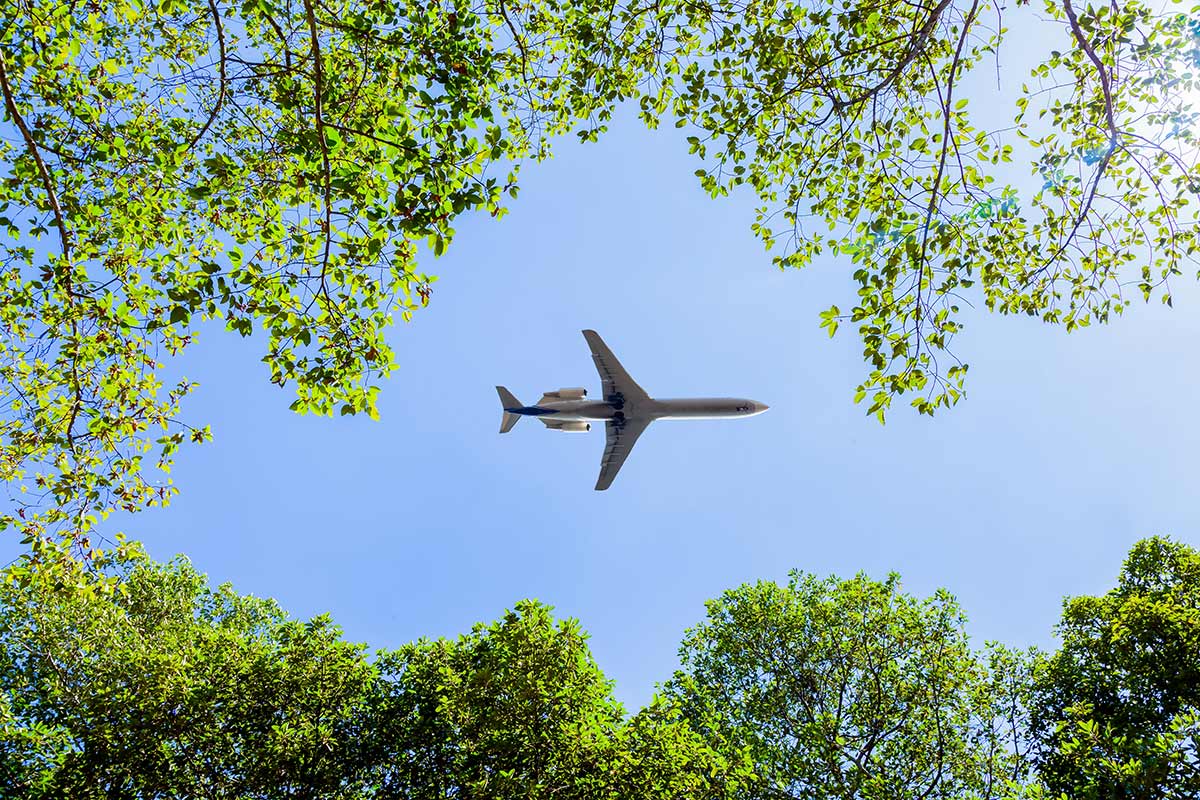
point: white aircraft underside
(626, 409)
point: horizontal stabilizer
(507, 401)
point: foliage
(269, 163)
(513, 708)
(140, 681)
(1117, 709)
(851, 122)
(518, 709)
(135, 679)
(853, 689)
(149, 684)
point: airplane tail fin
(507, 401)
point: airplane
(626, 409)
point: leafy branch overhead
(852, 124)
(272, 164)
(277, 164)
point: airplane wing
(622, 434)
(613, 377)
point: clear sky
(1066, 450)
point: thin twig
(947, 139)
(318, 89)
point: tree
(518, 709)
(1117, 709)
(147, 683)
(853, 689)
(126, 678)
(514, 709)
(269, 163)
(851, 123)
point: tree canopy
(1117, 708)
(853, 689)
(136, 679)
(140, 681)
(279, 164)
(852, 122)
(273, 164)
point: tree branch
(914, 49)
(32, 147)
(947, 112)
(1105, 86)
(1114, 135)
(212, 6)
(318, 90)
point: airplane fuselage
(665, 408)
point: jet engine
(568, 394)
(575, 427)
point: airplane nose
(760, 407)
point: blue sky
(1066, 450)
